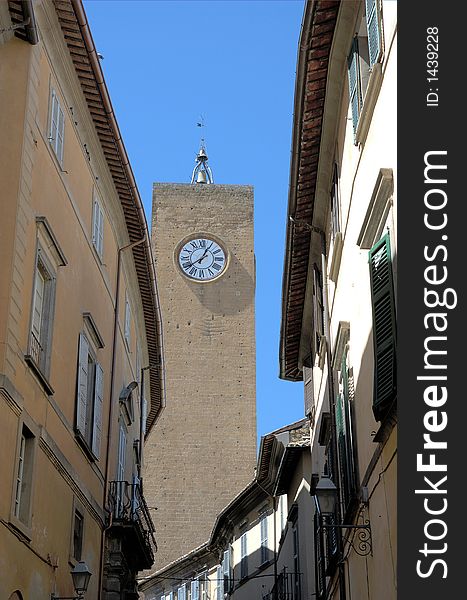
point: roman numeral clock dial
(202, 259)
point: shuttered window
(57, 126)
(355, 90)
(226, 570)
(344, 432)
(373, 28)
(243, 556)
(181, 592)
(42, 314)
(364, 54)
(195, 590)
(384, 327)
(98, 228)
(90, 394)
(308, 389)
(219, 583)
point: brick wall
(202, 452)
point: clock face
(202, 259)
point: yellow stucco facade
(70, 422)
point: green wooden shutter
(374, 34)
(384, 326)
(355, 93)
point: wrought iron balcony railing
(129, 508)
(287, 587)
(35, 349)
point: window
(283, 511)
(127, 321)
(364, 54)
(181, 592)
(384, 327)
(243, 556)
(335, 209)
(203, 586)
(344, 433)
(219, 583)
(89, 397)
(264, 537)
(56, 127)
(226, 570)
(78, 522)
(308, 390)
(43, 301)
(296, 563)
(98, 228)
(23, 483)
(318, 310)
(195, 590)
(121, 464)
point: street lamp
(326, 502)
(81, 576)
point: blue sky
(166, 63)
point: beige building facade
(338, 330)
(203, 450)
(79, 319)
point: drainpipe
(273, 498)
(111, 394)
(99, 76)
(30, 22)
(327, 336)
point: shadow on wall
(231, 294)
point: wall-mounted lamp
(326, 502)
(81, 576)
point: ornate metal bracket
(363, 545)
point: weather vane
(202, 172)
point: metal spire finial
(202, 172)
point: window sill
(20, 529)
(387, 424)
(82, 443)
(39, 375)
(378, 210)
(369, 103)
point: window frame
(367, 81)
(39, 349)
(77, 507)
(23, 522)
(97, 226)
(244, 555)
(90, 436)
(56, 128)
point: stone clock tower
(202, 452)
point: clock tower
(202, 452)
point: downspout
(111, 394)
(332, 402)
(327, 336)
(97, 69)
(273, 497)
(30, 25)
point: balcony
(132, 524)
(287, 587)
